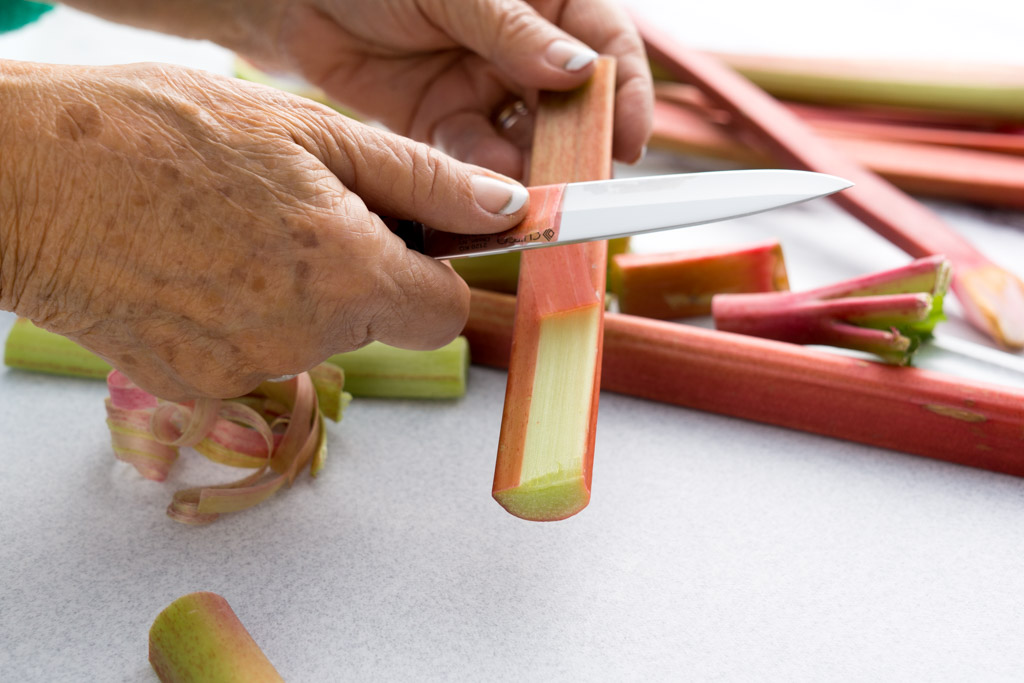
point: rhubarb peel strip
(280, 441)
(992, 297)
(904, 409)
(546, 445)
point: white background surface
(713, 549)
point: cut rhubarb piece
(198, 638)
(546, 445)
(992, 297)
(900, 408)
(32, 348)
(887, 314)
(382, 371)
(375, 370)
(681, 284)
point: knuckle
(429, 171)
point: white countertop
(713, 549)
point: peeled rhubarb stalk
(887, 314)
(198, 638)
(376, 370)
(546, 444)
(681, 284)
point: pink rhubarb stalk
(681, 284)
(887, 314)
(992, 297)
(901, 408)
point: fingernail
(643, 155)
(569, 56)
(497, 196)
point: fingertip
(428, 307)
(570, 56)
(634, 120)
(500, 196)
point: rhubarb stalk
(546, 445)
(198, 638)
(681, 284)
(987, 90)
(992, 297)
(930, 170)
(887, 314)
(900, 408)
(375, 370)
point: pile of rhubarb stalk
(961, 140)
(543, 314)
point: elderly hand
(439, 71)
(204, 234)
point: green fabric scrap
(16, 13)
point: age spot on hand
(79, 121)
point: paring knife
(604, 209)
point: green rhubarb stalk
(995, 91)
(376, 370)
(198, 638)
(32, 348)
(888, 314)
(382, 371)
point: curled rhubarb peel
(198, 638)
(888, 314)
(277, 429)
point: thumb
(399, 177)
(510, 34)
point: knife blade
(605, 209)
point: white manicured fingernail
(497, 196)
(569, 56)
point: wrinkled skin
(203, 234)
(437, 70)
(434, 70)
